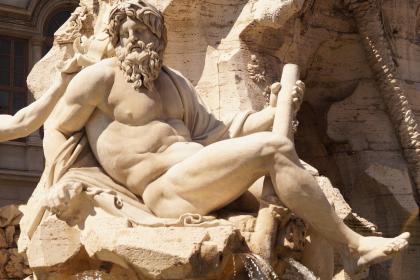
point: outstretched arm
(30, 118)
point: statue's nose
(131, 34)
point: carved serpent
(368, 19)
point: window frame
(48, 39)
(12, 89)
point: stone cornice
(29, 176)
(17, 30)
(19, 12)
(31, 19)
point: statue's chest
(131, 107)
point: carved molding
(31, 20)
(20, 11)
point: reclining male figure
(149, 132)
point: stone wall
(12, 264)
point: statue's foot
(377, 249)
(374, 250)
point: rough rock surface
(141, 252)
(13, 265)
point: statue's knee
(272, 143)
(151, 197)
(305, 182)
(156, 201)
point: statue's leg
(214, 176)
(299, 191)
(221, 172)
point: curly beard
(140, 63)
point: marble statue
(133, 134)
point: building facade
(26, 33)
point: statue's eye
(137, 34)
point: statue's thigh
(211, 178)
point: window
(52, 25)
(13, 71)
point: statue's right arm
(30, 118)
(84, 93)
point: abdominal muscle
(135, 156)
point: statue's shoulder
(91, 83)
(98, 72)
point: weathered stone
(54, 243)
(160, 252)
(10, 235)
(15, 267)
(10, 215)
(4, 258)
(3, 240)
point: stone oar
(264, 237)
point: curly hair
(141, 11)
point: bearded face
(140, 62)
(138, 34)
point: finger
(65, 192)
(295, 93)
(299, 88)
(273, 100)
(60, 194)
(298, 92)
(300, 84)
(68, 195)
(300, 96)
(73, 193)
(75, 189)
(55, 202)
(78, 187)
(275, 88)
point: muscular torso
(138, 135)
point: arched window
(54, 22)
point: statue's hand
(70, 66)
(297, 96)
(61, 194)
(62, 80)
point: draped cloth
(75, 162)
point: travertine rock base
(12, 264)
